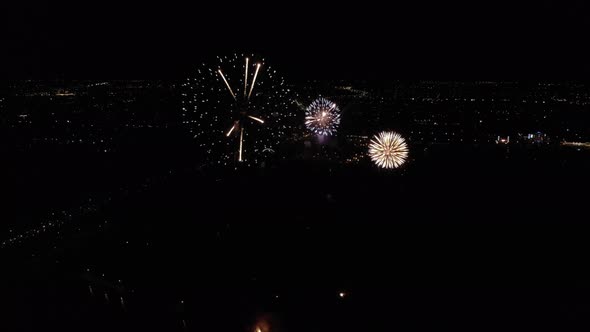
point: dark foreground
(466, 239)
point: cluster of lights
(322, 117)
(355, 158)
(578, 144)
(57, 222)
(503, 140)
(238, 109)
(54, 222)
(116, 286)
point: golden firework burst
(388, 149)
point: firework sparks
(256, 119)
(227, 84)
(246, 77)
(231, 130)
(241, 141)
(261, 114)
(254, 80)
(322, 117)
(388, 150)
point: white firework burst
(236, 108)
(322, 117)
(388, 149)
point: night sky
(130, 207)
(307, 40)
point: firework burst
(322, 117)
(237, 108)
(388, 150)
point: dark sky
(305, 39)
